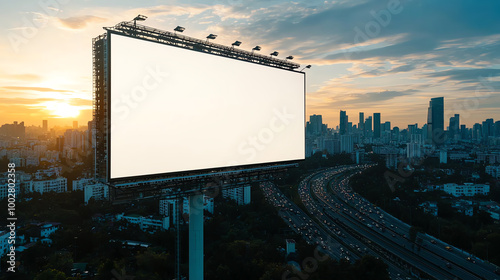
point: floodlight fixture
(289, 57)
(256, 48)
(179, 29)
(236, 44)
(139, 18)
(211, 37)
(308, 67)
(275, 53)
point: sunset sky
(385, 56)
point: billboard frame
(141, 32)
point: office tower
(487, 128)
(463, 132)
(387, 126)
(343, 123)
(476, 131)
(45, 125)
(315, 125)
(453, 129)
(75, 124)
(346, 144)
(395, 133)
(368, 125)
(435, 120)
(376, 125)
(361, 123)
(16, 130)
(412, 129)
(497, 129)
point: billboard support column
(196, 237)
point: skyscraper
(75, 124)
(487, 128)
(368, 125)
(45, 125)
(453, 129)
(343, 122)
(376, 125)
(361, 123)
(315, 125)
(435, 121)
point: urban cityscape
(396, 194)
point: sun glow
(62, 109)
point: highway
(353, 224)
(333, 240)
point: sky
(387, 56)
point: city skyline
(367, 56)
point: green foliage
(450, 226)
(51, 274)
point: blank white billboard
(174, 110)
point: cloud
(79, 22)
(467, 75)
(25, 77)
(375, 97)
(40, 89)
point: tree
(370, 267)
(51, 274)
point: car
(448, 265)
(433, 241)
(469, 259)
(448, 248)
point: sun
(62, 109)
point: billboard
(173, 110)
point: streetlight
(308, 67)
(139, 18)
(211, 37)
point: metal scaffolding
(178, 40)
(100, 104)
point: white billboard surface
(174, 110)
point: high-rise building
(496, 129)
(487, 129)
(343, 123)
(476, 132)
(346, 144)
(453, 129)
(386, 126)
(242, 195)
(376, 125)
(75, 124)
(361, 123)
(315, 125)
(463, 132)
(435, 121)
(16, 130)
(412, 129)
(368, 125)
(45, 125)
